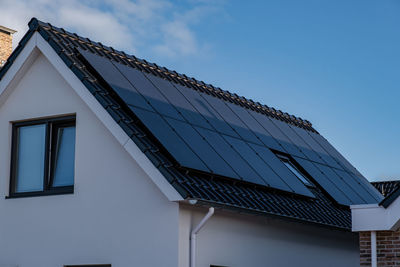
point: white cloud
(177, 39)
(157, 26)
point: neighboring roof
(206, 188)
(386, 187)
(389, 189)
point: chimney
(5, 44)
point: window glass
(64, 156)
(43, 154)
(294, 170)
(31, 157)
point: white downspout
(373, 249)
(193, 236)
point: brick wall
(5, 46)
(388, 248)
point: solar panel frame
(168, 137)
(253, 125)
(122, 87)
(346, 165)
(350, 192)
(231, 119)
(321, 179)
(151, 93)
(259, 165)
(370, 188)
(211, 116)
(285, 145)
(205, 150)
(227, 152)
(179, 101)
(297, 141)
(357, 185)
(316, 147)
(282, 171)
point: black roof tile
(389, 189)
(386, 187)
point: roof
(389, 189)
(336, 180)
(386, 187)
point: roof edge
(390, 198)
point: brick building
(378, 227)
(5, 44)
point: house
(378, 226)
(109, 160)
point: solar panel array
(205, 133)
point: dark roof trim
(389, 189)
(390, 198)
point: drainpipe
(373, 249)
(193, 236)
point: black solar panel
(332, 187)
(206, 133)
(334, 153)
(179, 101)
(170, 139)
(296, 140)
(281, 170)
(231, 119)
(202, 148)
(117, 81)
(285, 145)
(153, 96)
(315, 146)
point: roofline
(7, 30)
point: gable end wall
(116, 215)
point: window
(89, 265)
(43, 155)
(292, 167)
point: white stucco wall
(235, 240)
(116, 215)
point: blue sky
(335, 63)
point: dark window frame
(52, 124)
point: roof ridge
(176, 77)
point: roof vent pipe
(193, 236)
